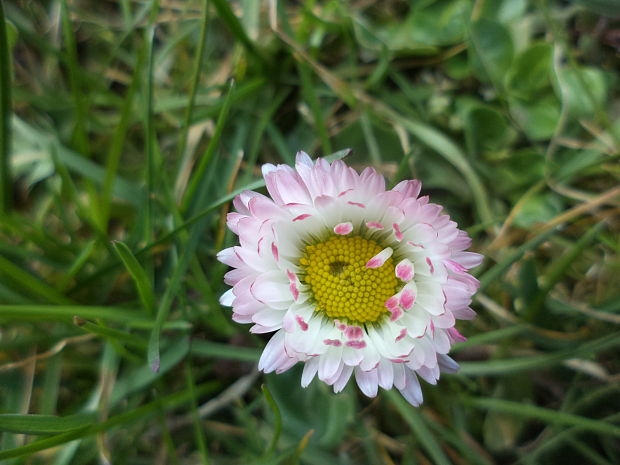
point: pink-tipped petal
(404, 270)
(397, 233)
(343, 229)
(407, 299)
(374, 225)
(380, 259)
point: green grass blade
(413, 418)
(499, 268)
(226, 351)
(277, 417)
(196, 185)
(198, 430)
(518, 364)
(30, 283)
(235, 26)
(557, 270)
(43, 424)
(545, 415)
(6, 113)
(145, 289)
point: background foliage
(127, 126)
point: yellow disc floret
(342, 286)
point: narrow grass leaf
(29, 282)
(43, 424)
(228, 17)
(413, 418)
(277, 422)
(545, 415)
(193, 193)
(198, 431)
(518, 364)
(5, 115)
(145, 289)
(166, 403)
(557, 270)
(499, 268)
(225, 351)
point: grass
(127, 127)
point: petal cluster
(313, 202)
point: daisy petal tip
(404, 270)
(343, 229)
(380, 259)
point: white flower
(353, 280)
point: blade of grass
(111, 334)
(557, 270)
(43, 424)
(413, 418)
(198, 431)
(225, 351)
(277, 418)
(145, 289)
(67, 312)
(5, 115)
(196, 184)
(166, 403)
(493, 274)
(116, 147)
(29, 282)
(235, 26)
(191, 101)
(545, 415)
(518, 364)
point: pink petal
(379, 259)
(407, 299)
(374, 225)
(404, 270)
(343, 228)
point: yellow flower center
(335, 270)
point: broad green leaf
(537, 209)
(583, 89)
(491, 50)
(531, 70)
(539, 118)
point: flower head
(352, 279)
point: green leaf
(138, 275)
(609, 8)
(486, 129)
(538, 118)
(531, 70)
(6, 113)
(44, 424)
(537, 209)
(552, 417)
(415, 420)
(225, 351)
(584, 90)
(491, 50)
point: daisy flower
(352, 279)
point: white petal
(330, 362)
(310, 369)
(368, 381)
(343, 379)
(227, 298)
(412, 391)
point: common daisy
(352, 279)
